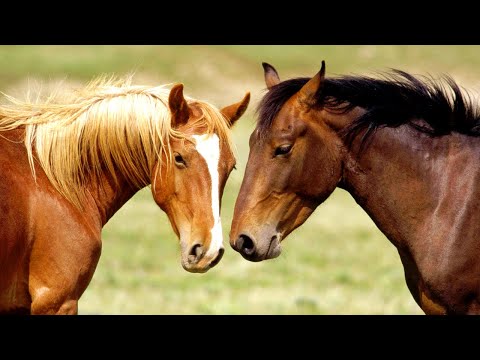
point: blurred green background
(338, 262)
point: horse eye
(179, 159)
(283, 150)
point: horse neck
(109, 195)
(402, 176)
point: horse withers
(406, 148)
(68, 164)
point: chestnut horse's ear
(271, 75)
(235, 111)
(178, 106)
(312, 89)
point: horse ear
(312, 89)
(235, 111)
(178, 106)
(271, 75)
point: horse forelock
(109, 124)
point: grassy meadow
(338, 262)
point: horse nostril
(245, 245)
(195, 254)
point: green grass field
(338, 262)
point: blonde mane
(108, 125)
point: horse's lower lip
(195, 269)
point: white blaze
(209, 147)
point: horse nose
(244, 245)
(195, 254)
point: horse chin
(195, 268)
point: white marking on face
(209, 147)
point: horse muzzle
(263, 248)
(196, 260)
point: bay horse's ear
(311, 90)
(271, 75)
(178, 106)
(235, 111)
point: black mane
(395, 99)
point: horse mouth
(274, 248)
(204, 264)
(217, 259)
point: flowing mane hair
(109, 125)
(393, 99)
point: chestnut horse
(68, 164)
(406, 148)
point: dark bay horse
(68, 164)
(407, 148)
